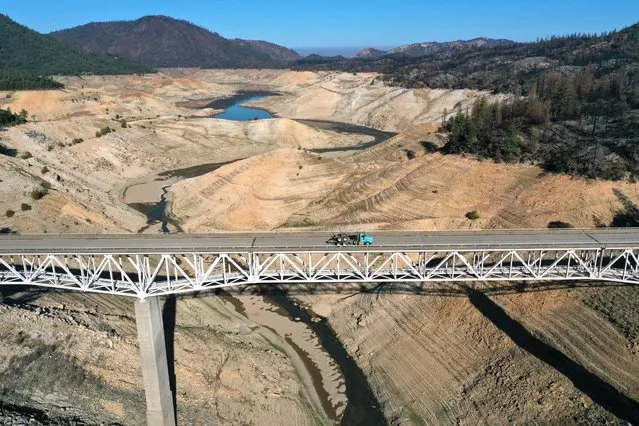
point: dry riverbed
(430, 357)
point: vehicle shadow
(601, 392)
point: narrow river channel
(344, 392)
(339, 383)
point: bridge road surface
(316, 241)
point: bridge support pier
(159, 400)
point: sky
(344, 25)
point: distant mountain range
(164, 42)
(430, 48)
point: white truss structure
(162, 273)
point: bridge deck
(131, 243)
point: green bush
(9, 213)
(103, 131)
(25, 207)
(473, 215)
(38, 194)
(26, 155)
(44, 170)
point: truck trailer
(343, 239)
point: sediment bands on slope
(473, 371)
(435, 356)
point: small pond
(233, 109)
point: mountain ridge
(164, 42)
(25, 55)
(431, 47)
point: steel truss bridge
(144, 266)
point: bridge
(144, 267)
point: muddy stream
(339, 385)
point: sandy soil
(381, 189)
(248, 375)
(437, 358)
(430, 359)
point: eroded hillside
(434, 355)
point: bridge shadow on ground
(629, 216)
(447, 289)
(15, 295)
(597, 389)
(169, 319)
(601, 392)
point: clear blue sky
(341, 23)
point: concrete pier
(159, 400)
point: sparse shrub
(117, 116)
(105, 130)
(473, 215)
(98, 134)
(9, 213)
(429, 147)
(76, 141)
(300, 167)
(26, 155)
(25, 207)
(410, 154)
(45, 185)
(44, 170)
(304, 223)
(123, 124)
(49, 147)
(38, 194)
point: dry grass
(619, 306)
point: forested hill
(580, 113)
(505, 67)
(25, 55)
(164, 42)
(514, 68)
(574, 109)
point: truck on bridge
(359, 238)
